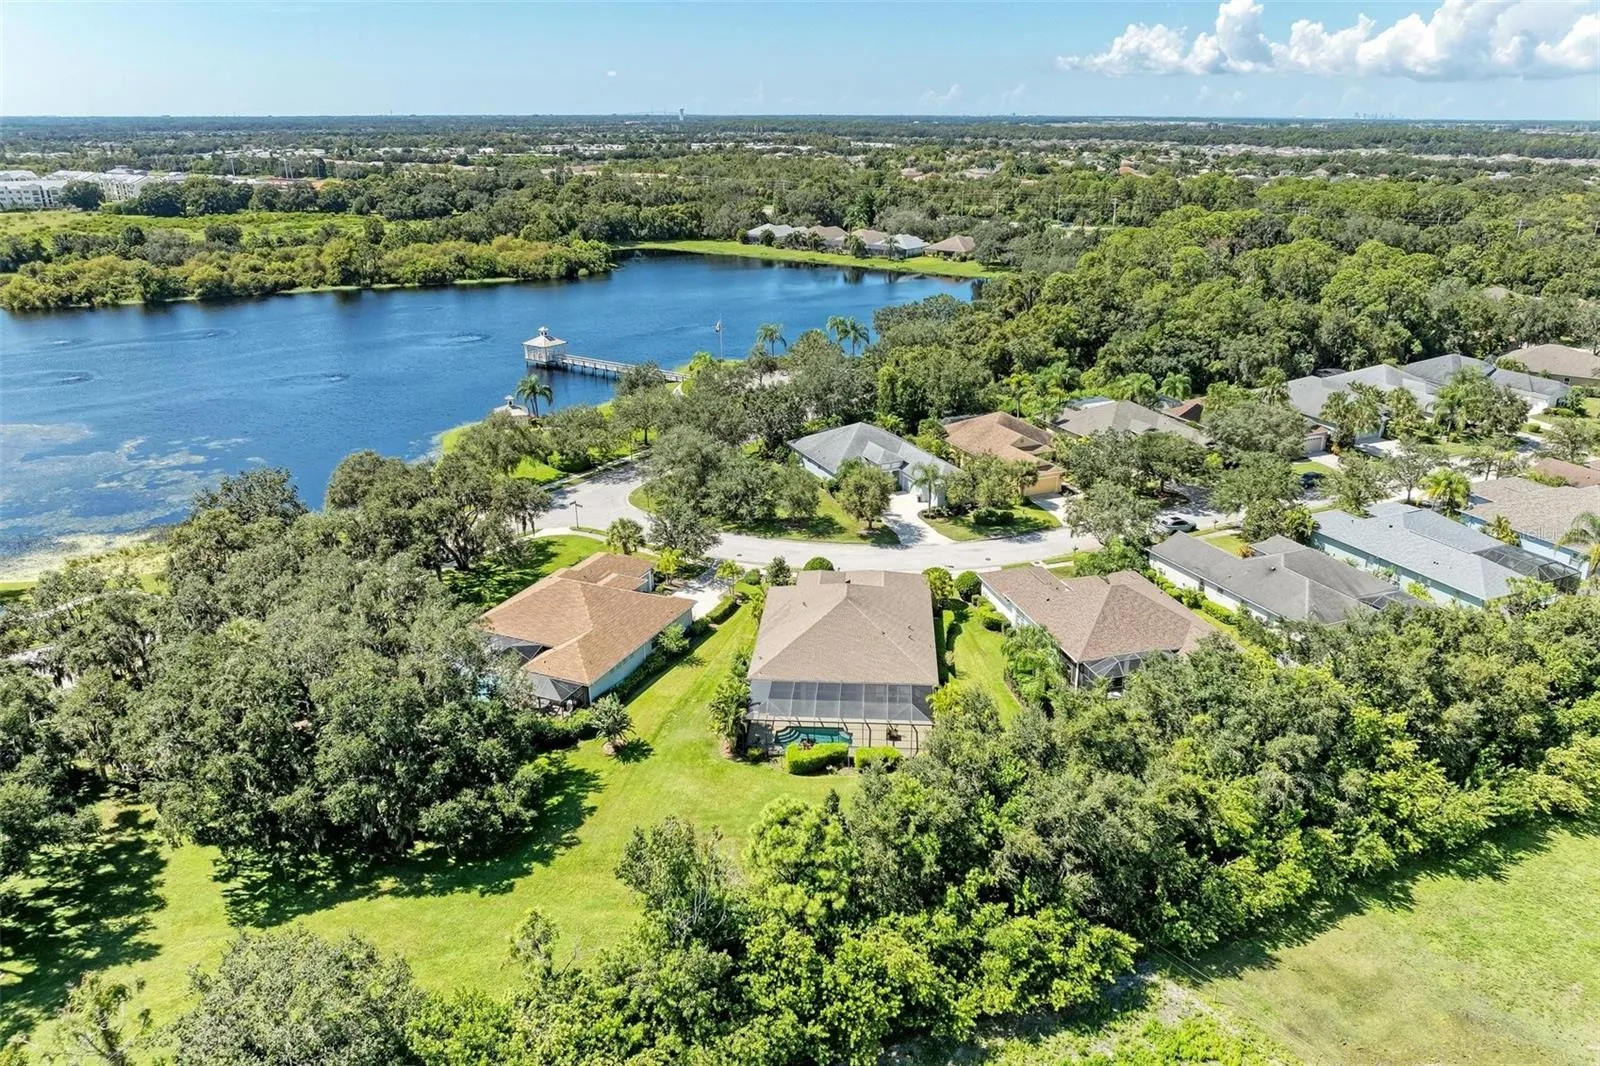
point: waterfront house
(1454, 563)
(1105, 627)
(1010, 438)
(959, 246)
(832, 237)
(825, 452)
(1279, 580)
(778, 230)
(844, 656)
(582, 630)
(1540, 514)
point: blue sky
(1439, 59)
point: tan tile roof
(1572, 473)
(1004, 436)
(1093, 618)
(1124, 415)
(1560, 359)
(1546, 512)
(585, 628)
(603, 568)
(862, 626)
(960, 244)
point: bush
(991, 619)
(968, 585)
(752, 577)
(819, 758)
(724, 609)
(755, 753)
(817, 562)
(673, 640)
(885, 756)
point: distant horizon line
(672, 117)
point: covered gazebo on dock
(544, 350)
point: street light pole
(576, 524)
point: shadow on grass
(1489, 858)
(513, 570)
(265, 891)
(91, 911)
(636, 750)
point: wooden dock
(583, 364)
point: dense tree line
(1008, 869)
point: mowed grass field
(142, 910)
(1491, 959)
(922, 264)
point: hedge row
(819, 758)
(886, 757)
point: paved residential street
(604, 497)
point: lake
(110, 420)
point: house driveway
(907, 523)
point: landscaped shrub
(752, 577)
(817, 562)
(673, 640)
(885, 756)
(755, 753)
(724, 609)
(968, 585)
(819, 758)
(991, 618)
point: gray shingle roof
(1283, 579)
(831, 448)
(1561, 359)
(1125, 415)
(864, 626)
(1453, 556)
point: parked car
(1175, 523)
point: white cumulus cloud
(938, 99)
(1462, 40)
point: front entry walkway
(903, 518)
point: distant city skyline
(1455, 59)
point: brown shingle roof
(585, 628)
(1124, 415)
(1534, 510)
(1571, 473)
(1563, 360)
(960, 244)
(860, 626)
(999, 434)
(606, 568)
(1094, 618)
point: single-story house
(1105, 626)
(778, 230)
(1574, 366)
(1010, 438)
(869, 237)
(1100, 414)
(1580, 475)
(831, 236)
(1191, 411)
(825, 452)
(1280, 580)
(1423, 379)
(897, 246)
(583, 629)
(957, 247)
(844, 656)
(1453, 562)
(1541, 514)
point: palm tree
(836, 328)
(1449, 488)
(856, 333)
(533, 389)
(769, 335)
(1585, 533)
(1500, 529)
(1405, 413)
(624, 535)
(927, 480)
(1274, 385)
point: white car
(1175, 523)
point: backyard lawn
(147, 911)
(922, 264)
(975, 657)
(1492, 958)
(1023, 518)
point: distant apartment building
(30, 194)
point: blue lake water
(110, 420)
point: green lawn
(252, 223)
(1228, 540)
(1023, 518)
(146, 911)
(532, 469)
(527, 561)
(829, 524)
(975, 656)
(919, 265)
(1492, 958)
